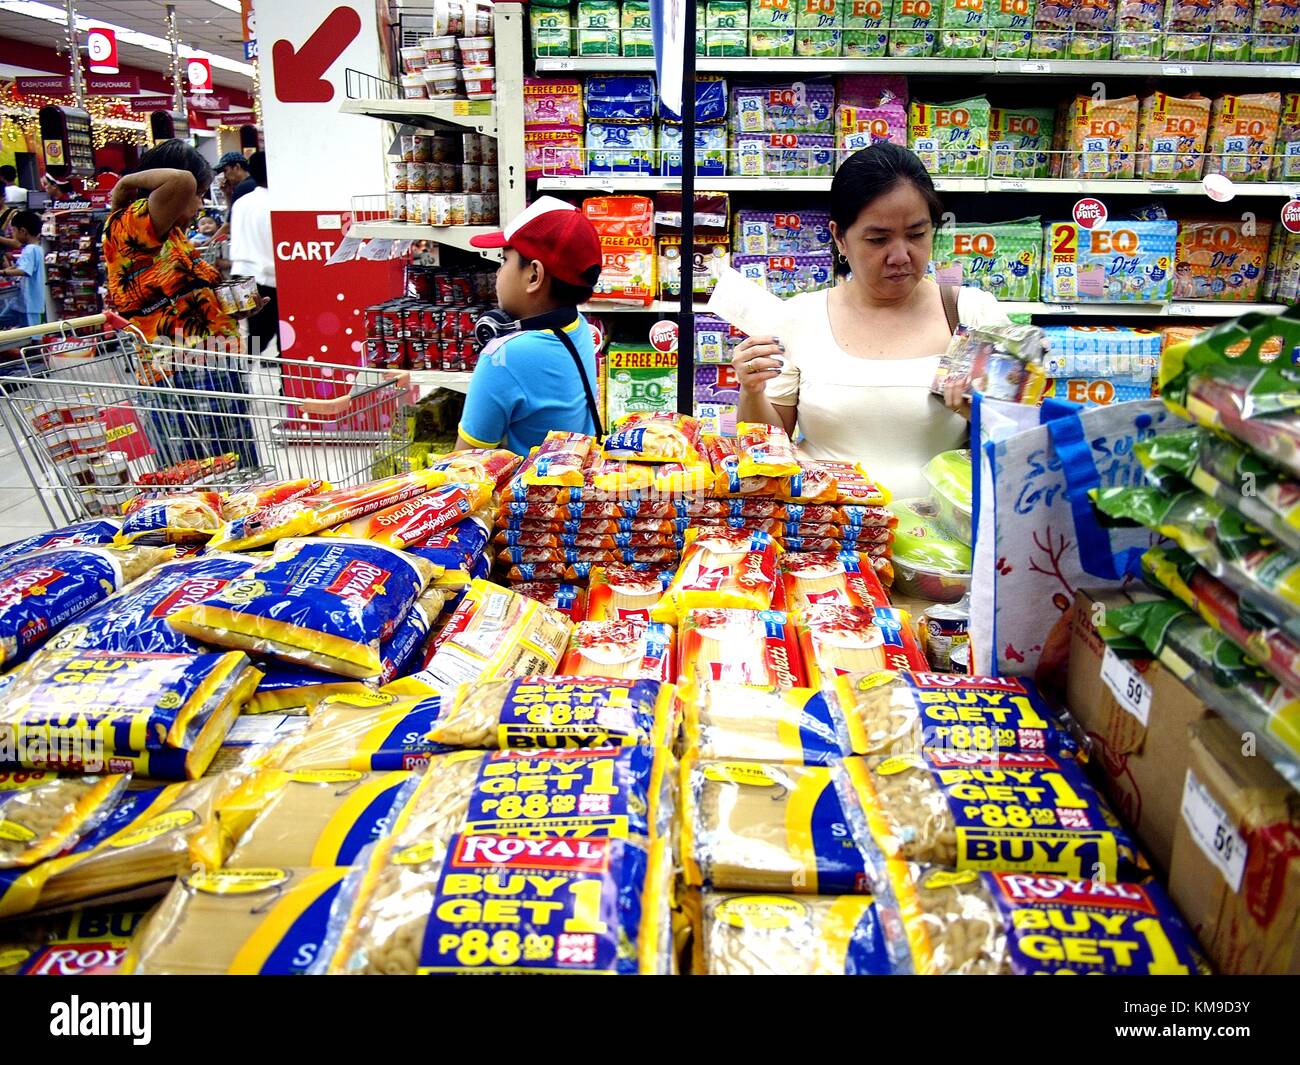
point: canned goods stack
(444, 180)
(77, 444)
(456, 59)
(238, 296)
(418, 334)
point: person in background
(540, 375)
(106, 178)
(57, 189)
(252, 254)
(205, 228)
(14, 195)
(236, 181)
(30, 271)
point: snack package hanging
(415, 521)
(365, 731)
(1172, 131)
(178, 519)
(248, 922)
(160, 715)
(327, 604)
(242, 504)
(757, 648)
(44, 813)
(619, 593)
(836, 640)
(826, 579)
(135, 619)
(747, 826)
(85, 532)
(658, 437)
(951, 138)
(721, 568)
(1027, 813)
(630, 649)
(309, 514)
(42, 592)
(792, 726)
(560, 460)
(1220, 260)
(1243, 130)
(905, 712)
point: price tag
(1126, 684)
(555, 64)
(1180, 310)
(1163, 186)
(1012, 185)
(464, 108)
(1214, 833)
(1063, 308)
(1035, 68)
(1177, 70)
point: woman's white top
(877, 411)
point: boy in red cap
(541, 375)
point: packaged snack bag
(1243, 131)
(666, 437)
(629, 649)
(1053, 21)
(818, 27)
(640, 379)
(1220, 260)
(45, 813)
(1004, 258)
(912, 26)
(771, 27)
(1274, 30)
(1171, 136)
(961, 29)
(756, 648)
(765, 451)
(86, 532)
(620, 147)
(1187, 28)
(1009, 23)
(552, 102)
(494, 466)
(1094, 27)
(625, 225)
(597, 23)
(1103, 137)
(553, 152)
(1020, 141)
(798, 107)
(866, 32)
(726, 28)
(327, 604)
(180, 519)
(1113, 262)
(1286, 150)
(553, 30)
(723, 568)
(1138, 29)
(951, 138)
(41, 592)
(634, 23)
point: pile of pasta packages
(308, 735)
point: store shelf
(1186, 309)
(452, 236)
(1105, 186)
(431, 379)
(657, 307)
(478, 115)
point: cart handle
(332, 408)
(91, 321)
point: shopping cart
(98, 415)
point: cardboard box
(1141, 767)
(1236, 862)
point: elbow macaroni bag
(721, 568)
(43, 813)
(325, 603)
(459, 547)
(85, 532)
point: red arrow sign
(299, 73)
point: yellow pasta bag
(561, 460)
(620, 475)
(721, 568)
(723, 454)
(765, 451)
(663, 436)
(678, 478)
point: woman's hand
(757, 361)
(955, 398)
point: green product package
(639, 380)
(726, 27)
(1020, 142)
(866, 34)
(951, 138)
(1187, 29)
(949, 477)
(1053, 26)
(1275, 36)
(771, 27)
(552, 30)
(818, 27)
(598, 32)
(634, 23)
(1094, 29)
(1002, 258)
(962, 31)
(1009, 23)
(1138, 27)
(919, 540)
(914, 27)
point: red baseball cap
(557, 235)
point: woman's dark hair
(868, 174)
(176, 155)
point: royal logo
(359, 581)
(1023, 887)
(29, 582)
(570, 855)
(946, 680)
(190, 592)
(1009, 760)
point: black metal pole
(686, 314)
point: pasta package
(569, 599)
(622, 475)
(620, 593)
(659, 436)
(853, 486)
(457, 548)
(816, 579)
(573, 556)
(179, 519)
(494, 466)
(160, 715)
(901, 712)
(135, 619)
(91, 941)
(309, 514)
(414, 521)
(242, 504)
(365, 731)
(750, 826)
(328, 604)
(1017, 812)
(678, 478)
(84, 532)
(814, 483)
(560, 460)
(765, 451)
(756, 648)
(721, 568)
(254, 741)
(836, 640)
(794, 726)
(44, 813)
(241, 922)
(723, 454)
(630, 649)
(42, 592)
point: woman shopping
(856, 377)
(161, 285)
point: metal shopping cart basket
(98, 416)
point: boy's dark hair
(257, 168)
(567, 295)
(28, 220)
(8, 173)
(175, 155)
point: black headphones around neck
(497, 323)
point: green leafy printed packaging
(1020, 142)
(865, 33)
(1053, 21)
(818, 27)
(639, 380)
(598, 32)
(951, 138)
(1008, 22)
(635, 26)
(726, 27)
(1003, 258)
(1094, 29)
(552, 30)
(1139, 25)
(961, 29)
(1231, 40)
(912, 27)
(771, 27)
(1187, 29)
(1276, 31)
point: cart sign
(198, 74)
(101, 43)
(663, 335)
(1090, 212)
(1291, 216)
(125, 433)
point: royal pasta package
(756, 648)
(415, 521)
(163, 716)
(655, 437)
(192, 518)
(87, 941)
(457, 548)
(43, 813)
(793, 726)
(325, 603)
(816, 579)
(561, 460)
(100, 531)
(620, 649)
(721, 568)
(621, 593)
(364, 731)
(836, 640)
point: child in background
(30, 270)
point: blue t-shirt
(31, 261)
(525, 385)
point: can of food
(226, 299)
(476, 209)
(449, 176)
(416, 180)
(471, 148)
(417, 208)
(943, 628)
(421, 148)
(397, 206)
(408, 147)
(246, 289)
(80, 414)
(487, 177)
(110, 469)
(459, 209)
(488, 150)
(112, 500)
(398, 176)
(961, 659)
(392, 354)
(469, 178)
(439, 209)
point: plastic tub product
(440, 80)
(413, 60)
(413, 86)
(949, 477)
(928, 564)
(475, 51)
(437, 49)
(480, 83)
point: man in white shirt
(252, 253)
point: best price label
(1090, 212)
(1291, 216)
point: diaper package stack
(1097, 365)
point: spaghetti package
(364, 731)
(654, 437)
(493, 465)
(135, 619)
(632, 649)
(815, 579)
(569, 599)
(1028, 813)
(308, 514)
(42, 592)
(721, 568)
(750, 826)
(793, 726)
(853, 486)
(457, 548)
(765, 451)
(179, 519)
(848, 639)
(560, 460)
(160, 715)
(242, 504)
(904, 712)
(247, 922)
(414, 521)
(620, 593)
(814, 483)
(85, 532)
(327, 604)
(1243, 130)
(45, 813)
(757, 648)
